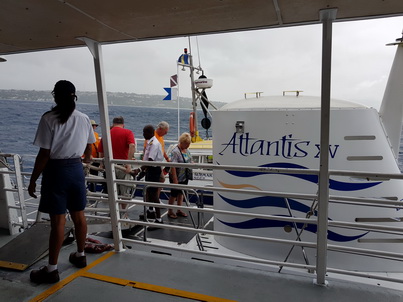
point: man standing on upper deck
(123, 147)
(63, 135)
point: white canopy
(27, 25)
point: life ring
(192, 124)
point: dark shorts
(153, 174)
(63, 186)
(175, 192)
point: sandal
(181, 213)
(172, 215)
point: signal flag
(172, 94)
(174, 80)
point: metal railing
(15, 171)
(114, 201)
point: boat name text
(286, 147)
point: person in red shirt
(123, 147)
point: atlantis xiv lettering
(286, 147)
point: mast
(192, 86)
(186, 60)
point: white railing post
(96, 52)
(20, 190)
(326, 16)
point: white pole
(177, 97)
(96, 52)
(326, 16)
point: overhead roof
(27, 25)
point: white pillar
(326, 16)
(96, 52)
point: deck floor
(135, 275)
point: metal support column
(96, 52)
(326, 16)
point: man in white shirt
(153, 152)
(63, 135)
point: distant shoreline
(113, 98)
(94, 104)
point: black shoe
(152, 228)
(79, 262)
(150, 215)
(43, 276)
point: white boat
(215, 265)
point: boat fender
(192, 124)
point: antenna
(198, 54)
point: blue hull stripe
(266, 201)
(333, 184)
(258, 223)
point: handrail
(199, 242)
(356, 201)
(19, 190)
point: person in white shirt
(64, 134)
(153, 152)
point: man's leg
(56, 237)
(123, 190)
(162, 180)
(153, 197)
(80, 226)
(50, 273)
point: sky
(270, 61)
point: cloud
(270, 60)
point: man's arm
(87, 153)
(166, 156)
(130, 156)
(40, 163)
(132, 148)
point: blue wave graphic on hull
(256, 223)
(267, 201)
(333, 184)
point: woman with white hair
(179, 154)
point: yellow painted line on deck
(123, 282)
(155, 288)
(50, 291)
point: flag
(174, 80)
(184, 59)
(172, 94)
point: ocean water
(19, 121)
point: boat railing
(186, 191)
(380, 202)
(17, 204)
(368, 225)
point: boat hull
(290, 138)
